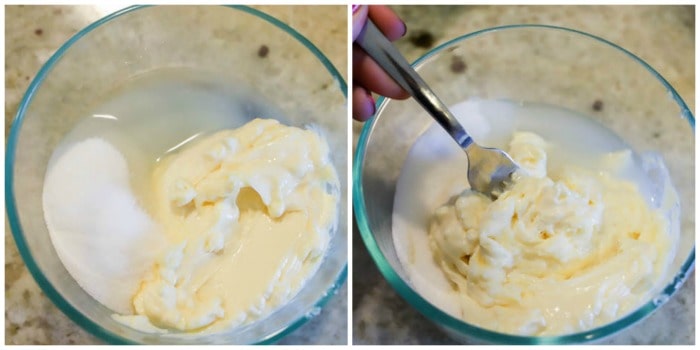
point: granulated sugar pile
(96, 224)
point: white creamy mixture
(246, 215)
(584, 235)
(556, 252)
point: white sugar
(106, 241)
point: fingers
(373, 78)
(387, 21)
(368, 76)
(362, 104)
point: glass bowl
(294, 76)
(528, 63)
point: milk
(436, 170)
(159, 112)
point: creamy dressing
(248, 217)
(435, 171)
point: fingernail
(405, 29)
(372, 103)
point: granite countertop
(32, 34)
(663, 36)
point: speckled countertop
(662, 36)
(32, 34)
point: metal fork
(490, 169)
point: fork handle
(379, 48)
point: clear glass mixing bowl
(533, 63)
(295, 77)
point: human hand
(368, 77)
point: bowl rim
(440, 317)
(13, 217)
